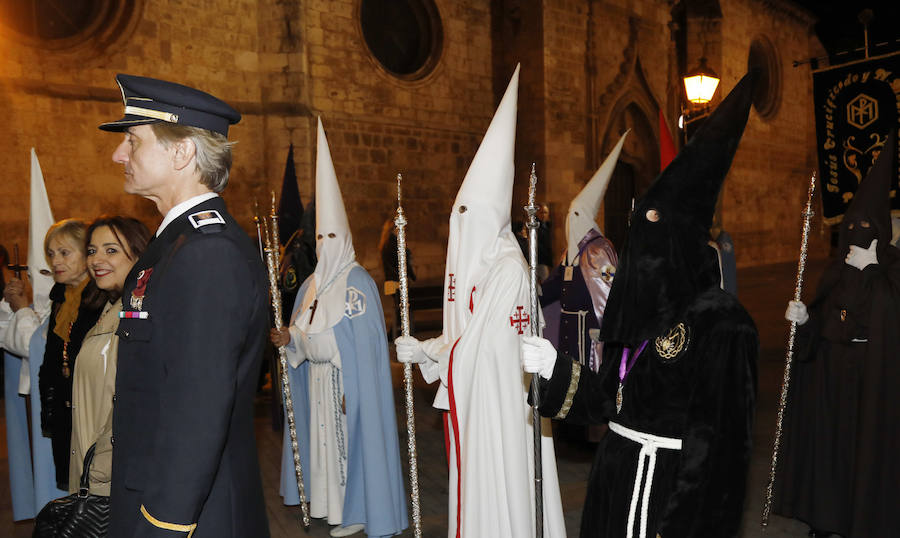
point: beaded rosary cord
(319, 292)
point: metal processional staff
(532, 225)
(273, 261)
(400, 223)
(801, 267)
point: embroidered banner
(856, 106)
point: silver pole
(400, 223)
(532, 225)
(798, 288)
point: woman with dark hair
(76, 305)
(114, 244)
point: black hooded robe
(838, 468)
(704, 396)
(698, 393)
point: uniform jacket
(184, 452)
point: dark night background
(841, 33)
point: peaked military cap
(149, 100)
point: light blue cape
(375, 494)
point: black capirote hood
(665, 264)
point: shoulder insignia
(355, 304)
(203, 219)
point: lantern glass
(700, 88)
(700, 84)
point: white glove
(796, 312)
(862, 257)
(409, 350)
(538, 356)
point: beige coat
(93, 388)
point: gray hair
(213, 151)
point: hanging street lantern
(700, 84)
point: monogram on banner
(856, 108)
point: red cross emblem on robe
(519, 320)
(451, 288)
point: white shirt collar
(182, 208)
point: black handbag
(79, 515)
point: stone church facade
(410, 86)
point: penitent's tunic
(491, 437)
(839, 467)
(351, 461)
(579, 292)
(704, 397)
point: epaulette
(209, 221)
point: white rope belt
(582, 316)
(649, 445)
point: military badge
(205, 218)
(140, 289)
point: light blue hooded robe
(374, 494)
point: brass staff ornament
(400, 223)
(270, 226)
(798, 288)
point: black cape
(704, 396)
(838, 467)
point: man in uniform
(192, 329)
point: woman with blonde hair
(76, 305)
(114, 243)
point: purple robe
(579, 293)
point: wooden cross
(16, 267)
